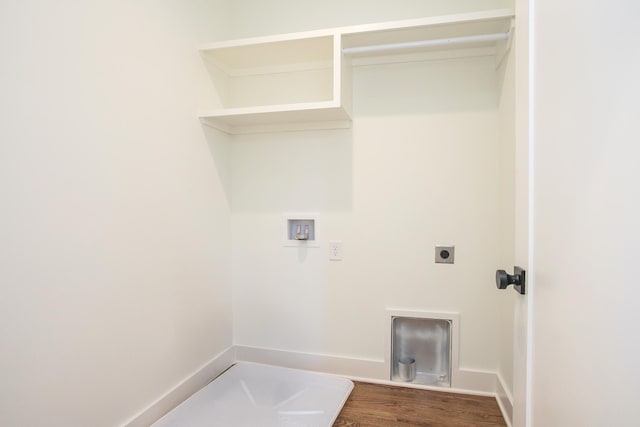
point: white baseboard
(505, 401)
(464, 380)
(476, 381)
(345, 366)
(184, 389)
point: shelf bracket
(503, 48)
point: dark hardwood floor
(383, 405)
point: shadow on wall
(219, 147)
(433, 87)
(300, 171)
(313, 170)
(248, 16)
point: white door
(586, 134)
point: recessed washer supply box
(301, 230)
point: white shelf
(303, 80)
(432, 28)
(274, 118)
(286, 82)
(251, 55)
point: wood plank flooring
(383, 405)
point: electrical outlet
(335, 250)
(444, 254)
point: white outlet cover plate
(335, 250)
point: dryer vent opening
(421, 351)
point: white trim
(180, 392)
(505, 400)
(336, 365)
(338, 60)
(278, 108)
(475, 381)
(531, 287)
(468, 381)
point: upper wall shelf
(303, 80)
(278, 82)
(472, 34)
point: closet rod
(427, 43)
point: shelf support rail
(427, 43)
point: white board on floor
(251, 395)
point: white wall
(116, 204)
(422, 165)
(114, 227)
(586, 345)
(250, 17)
